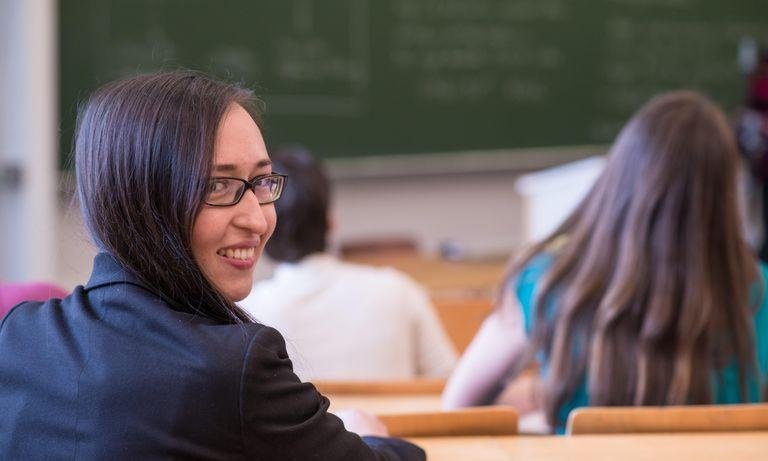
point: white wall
(475, 209)
(547, 197)
(28, 140)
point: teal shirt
(725, 383)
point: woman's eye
(263, 183)
(218, 186)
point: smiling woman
(151, 359)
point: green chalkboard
(382, 77)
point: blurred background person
(341, 321)
(647, 294)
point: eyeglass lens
(229, 191)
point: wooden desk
(531, 423)
(742, 446)
(387, 404)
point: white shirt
(345, 321)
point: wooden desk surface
(743, 446)
(387, 404)
(532, 423)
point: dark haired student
(151, 359)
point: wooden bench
(692, 418)
(468, 421)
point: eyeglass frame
(249, 184)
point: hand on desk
(524, 393)
(362, 423)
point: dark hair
(652, 283)
(143, 150)
(302, 211)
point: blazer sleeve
(283, 418)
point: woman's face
(227, 241)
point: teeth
(238, 253)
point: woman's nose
(250, 214)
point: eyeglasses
(223, 191)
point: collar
(107, 271)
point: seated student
(14, 293)
(151, 359)
(647, 293)
(341, 321)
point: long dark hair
(143, 150)
(653, 282)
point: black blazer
(112, 372)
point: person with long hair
(152, 358)
(647, 294)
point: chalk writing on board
(646, 56)
(457, 51)
(325, 76)
(442, 75)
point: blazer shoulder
(29, 311)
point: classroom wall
(466, 200)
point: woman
(647, 294)
(152, 359)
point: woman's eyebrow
(229, 167)
(224, 168)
